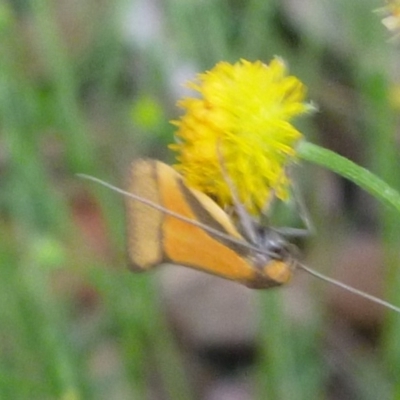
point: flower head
(391, 14)
(240, 127)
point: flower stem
(348, 169)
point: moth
(169, 222)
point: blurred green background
(86, 87)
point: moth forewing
(201, 237)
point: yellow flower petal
(241, 119)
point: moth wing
(154, 237)
(144, 223)
(196, 247)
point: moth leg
(245, 220)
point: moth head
(275, 261)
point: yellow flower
(240, 124)
(392, 15)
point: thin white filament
(349, 288)
(171, 213)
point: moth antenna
(172, 213)
(349, 288)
